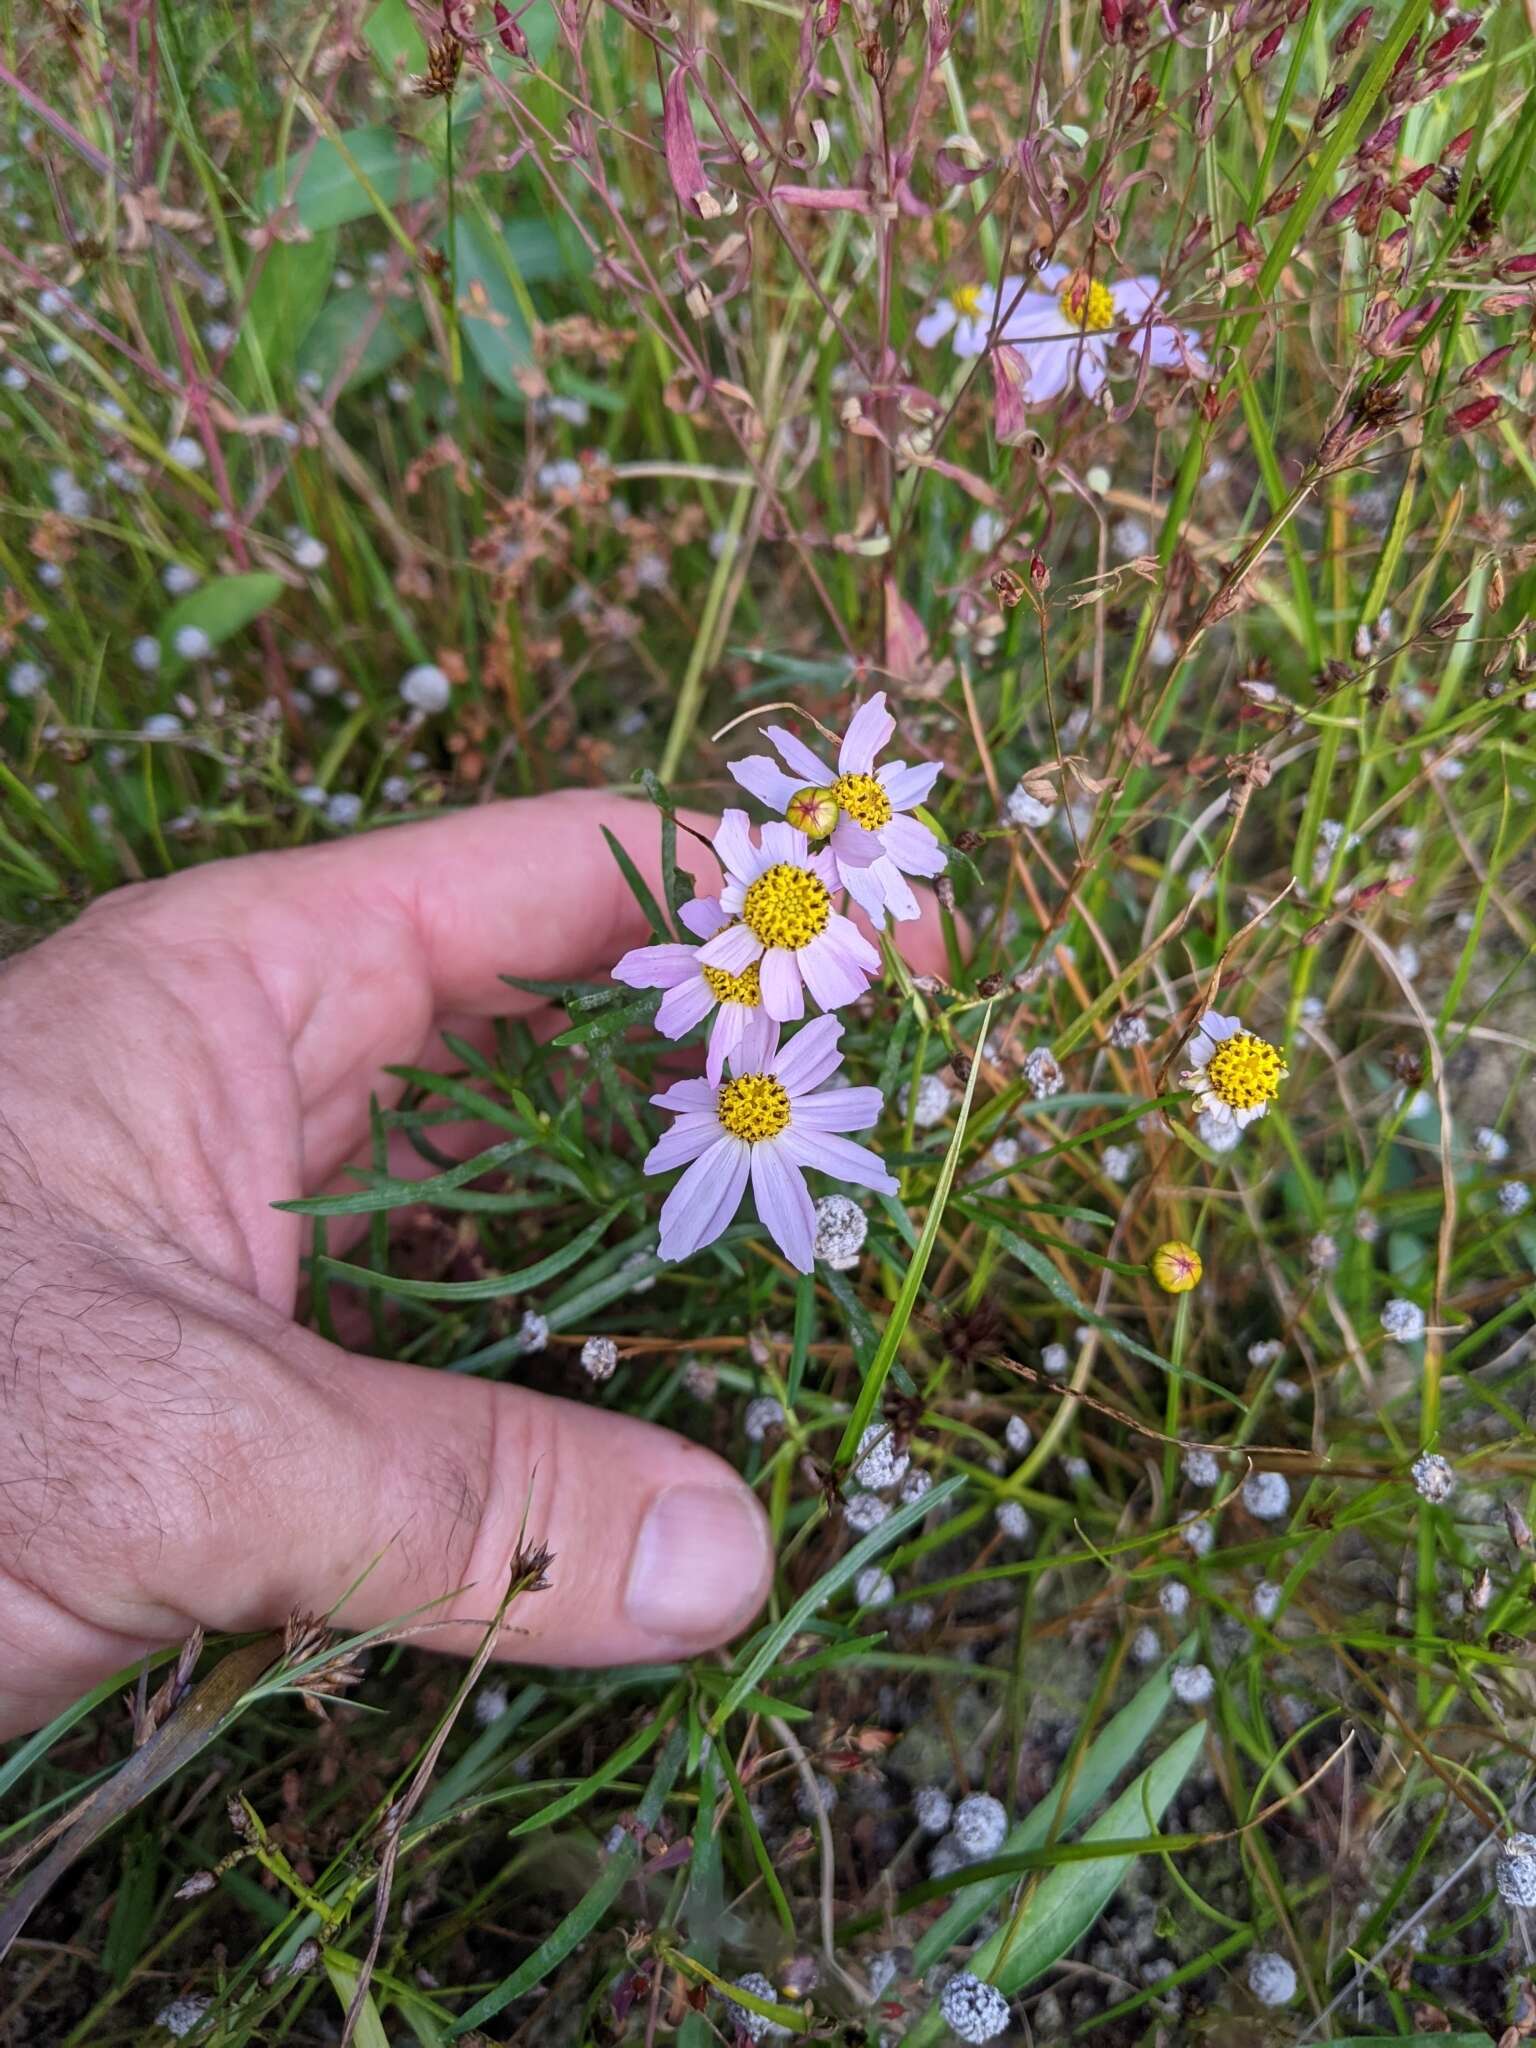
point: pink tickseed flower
(967, 316)
(778, 895)
(769, 1121)
(742, 1027)
(1061, 334)
(874, 845)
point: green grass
(620, 472)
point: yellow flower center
(735, 988)
(1087, 304)
(754, 1107)
(864, 801)
(1245, 1071)
(787, 906)
(966, 301)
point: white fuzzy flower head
(532, 1332)
(1265, 1600)
(1233, 1075)
(1129, 1030)
(490, 1704)
(1433, 1477)
(1403, 1320)
(914, 1486)
(182, 2015)
(701, 1379)
(1021, 808)
(931, 1808)
(756, 2025)
(1077, 1468)
(1514, 1874)
(344, 810)
(874, 1588)
(1267, 1496)
(760, 1416)
(599, 1356)
(879, 1464)
(980, 1825)
(1198, 1534)
(1119, 1163)
(1490, 1144)
(1191, 1684)
(1266, 1352)
(1042, 1072)
(1055, 1359)
(186, 451)
(1367, 1226)
(946, 1859)
(1018, 1435)
(145, 653)
(1013, 1521)
(865, 1511)
(161, 725)
(1173, 1598)
(26, 678)
(1271, 1978)
(308, 552)
(841, 1228)
(931, 1103)
(820, 1796)
(1322, 1252)
(191, 643)
(1145, 1647)
(1514, 1198)
(1201, 1467)
(973, 2010)
(426, 688)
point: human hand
(174, 1448)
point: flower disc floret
(787, 906)
(1271, 1978)
(975, 2011)
(1086, 304)
(745, 988)
(981, 1825)
(1245, 1071)
(754, 1107)
(864, 800)
(1514, 1874)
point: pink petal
(1033, 317)
(733, 949)
(733, 844)
(784, 846)
(810, 1056)
(684, 1006)
(852, 845)
(869, 730)
(702, 916)
(688, 1137)
(863, 885)
(657, 966)
(765, 780)
(1049, 369)
(839, 1109)
(839, 1157)
(933, 327)
(689, 1096)
(908, 787)
(783, 1204)
(798, 756)
(705, 1199)
(847, 939)
(912, 847)
(783, 993)
(1092, 365)
(759, 1043)
(832, 978)
(899, 899)
(724, 1039)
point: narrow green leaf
(612, 1767)
(771, 1642)
(394, 1194)
(586, 1915)
(638, 887)
(490, 1289)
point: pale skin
(174, 1448)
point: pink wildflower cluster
(772, 937)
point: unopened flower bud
(1176, 1267)
(813, 812)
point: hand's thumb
(657, 1548)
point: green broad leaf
(328, 183)
(332, 341)
(398, 45)
(490, 306)
(1120, 1741)
(284, 303)
(220, 609)
(1070, 1899)
(537, 252)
